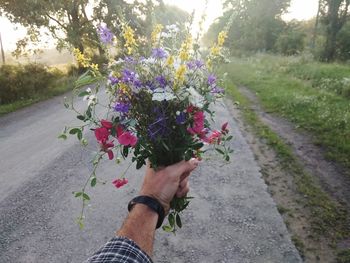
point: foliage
(291, 40)
(257, 24)
(25, 81)
(283, 90)
(334, 14)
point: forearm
(140, 226)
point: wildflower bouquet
(156, 107)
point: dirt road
(231, 219)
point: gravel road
(231, 219)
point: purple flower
(106, 35)
(130, 77)
(181, 118)
(130, 60)
(217, 90)
(211, 80)
(161, 81)
(199, 63)
(113, 80)
(159, 53)
(122, 107)
(195, 64)
(159, 128)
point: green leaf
(88, 112)
(219, 151)
(140, 163)
(171, 219)
(81, 117)
(125, 151)
(66, 105)
(74, 131)
(84, 93)
(198, 146)
(86, 197)
(85, 79)
(77, 194)
(229, 138)
(227, 158)
(167, 228)
(165, 146)
(79, 135)
(178, 221)
(62, 136)
(93, 181)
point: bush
(19, 82)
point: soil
(280, 182)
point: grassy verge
(283, 89)
(328, 218)
(59, 87)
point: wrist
(149, 205)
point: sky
(299, 9)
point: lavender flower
(180, 117)
(195, 64)
(161, 81)
(113, 80)
(130, 77)
(211, 80)
(217, 90)
(122, 107)
(106, 36)
(159, 128)
(159, 53)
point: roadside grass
(328, 218)
(283, 89)
(59, 87)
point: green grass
(322, 112)
(328, 217)
(61, 86)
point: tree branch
(57, 21)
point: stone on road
(231, 219)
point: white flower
(162, 94)
(88, 90)
(195, 98)
(165, 35)
(172, 28)
(92, 99)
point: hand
(164, 183)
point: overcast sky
(300, 9)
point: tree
(291, 40)
(66, 20)
(256, 24)
(334, 14)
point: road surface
(231, 219)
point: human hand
(164, 183)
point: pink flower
(125, 137)
(224, 129)
(106, 148)
(106, 124)
(215, 137)
(101, 134)
(198, 123)
(120, 182)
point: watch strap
(152, 203)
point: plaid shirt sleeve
(120, 249)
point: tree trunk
(314, 36)
(330, 47)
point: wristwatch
(152, 203)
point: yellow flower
(215, 50)
(81, 59)
(124, 88)
(130, 42)
(185, 49)
(180, 74)
(209, 64)
(154, 36)
(170, 61)
(221, 38)
(94, 67)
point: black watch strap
(152, 203)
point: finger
(183, 182)
(183, 166)
(181, 192)
(184, 176)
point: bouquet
(158, 107)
